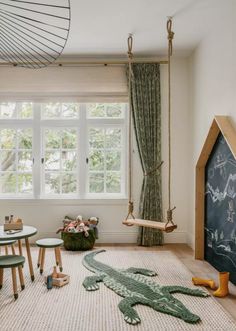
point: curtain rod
(92, 62)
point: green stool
(49, 243)
(13, 262)
(7, 243)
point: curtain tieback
(152, 171)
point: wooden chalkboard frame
(224, 125)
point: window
(105, 159)
(63, 150)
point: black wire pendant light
(33, 34)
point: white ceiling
(101, 27)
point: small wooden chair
(49, 243)
(6, 243)
(13, 262)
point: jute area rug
(72, 308)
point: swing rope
(170, 38)
(169, 225)
(130, 58)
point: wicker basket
(78, 241)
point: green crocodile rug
(134, 285)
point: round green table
(28, 231)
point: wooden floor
(197, 268)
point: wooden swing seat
(151, 224)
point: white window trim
(19, 124)
(42, 186)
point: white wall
(47, 215)
(213, 84)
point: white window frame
(19, 124)
(108, 124)
(82, 123)
(57, 126)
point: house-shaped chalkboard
(216, 198)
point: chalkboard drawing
(220, 163)
(231, 211)
(221, 235)
(220, 208)
(231, 191)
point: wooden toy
(56, 279)
(14, 225)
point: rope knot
(130, 55)
(170, 35)
(169, 215)
(131, 207)
(130, 46)
(152, 171)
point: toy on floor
(205, 282)
(222, 290)
(56, 279)
(133, 285)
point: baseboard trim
(119, 237)
(175, 237)
(191, 240)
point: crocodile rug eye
(135, 286)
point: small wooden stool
(7, 243)
(13, 262)
(49, 243)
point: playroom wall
(46, 215)
(213, 84)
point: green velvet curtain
(146, 110)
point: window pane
(69, 183)
(113, 138)
(52, 183)
(114, 110)
(56, 110)
(61, 157)
(96, 138)
(70, 110)
(25, 183)
(25, 110)
(113, 183)
(69, 138)
(96, 110)
(8, 138)
(51, 110)
(52, 139)
(16, 157)
(68, 160)
(20, 110)
(52, 160)
(113, 160)
(7, 110)
(105, 110)
(25, 139)
(8, 160)
(96, 160)
(25, 161)
(96, 183)
(105, 157)
(8, 183)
